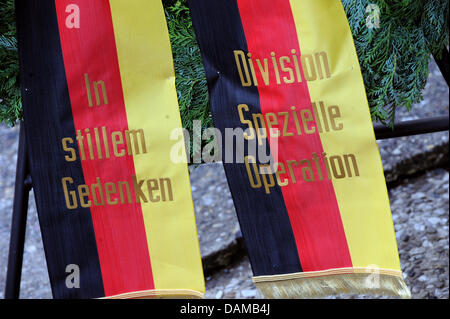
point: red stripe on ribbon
(312, 206)
(119, 229)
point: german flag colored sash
(317, 221)
(99, 99)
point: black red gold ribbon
(291, 65)
(99, 106)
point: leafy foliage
(394, 58)
(10, 101)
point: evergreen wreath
(10, 99)
(394, 56)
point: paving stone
(217, 226)
(232, 282)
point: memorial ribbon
(99, 98)
(318, 221)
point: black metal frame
(23, 182)
(22, 190)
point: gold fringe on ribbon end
(160, 294)
(333, 285)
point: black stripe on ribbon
(68, 235)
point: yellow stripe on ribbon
(148, 81)
(363, 200)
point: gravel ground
(419, 200)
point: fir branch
(394, 58)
